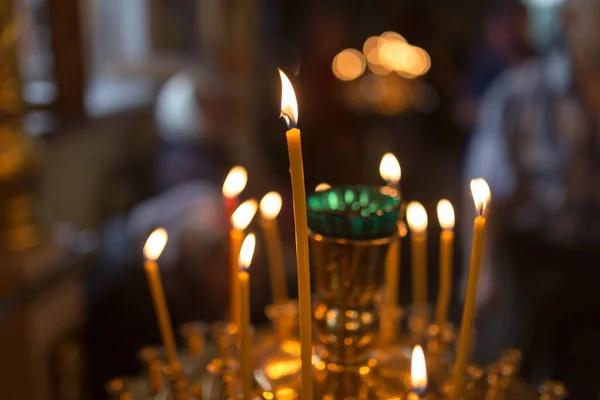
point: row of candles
(242, 249)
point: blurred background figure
(503, 43)
(537, 143)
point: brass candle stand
(351, 230)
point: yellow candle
(289, 110)
(240, 219)
(392, 273)
(446, 218)
(154, 246)
(481, 195)
(417, 222)
(270, 205)
(243, 279)
(390, 171)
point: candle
(270, 205)
(234, 184)
(323, 186)
(240, 219)
(152, 249)
(243, 278)
(446, 217)
(481, 196)
(418, 372)
(289, 111)
(389, 170)
(416, 217)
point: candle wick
(288, 121)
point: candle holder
(220, 381)
(151, 358)
(553, 390)
(117, 390)
(351, 230)
(280, 365)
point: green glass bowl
(354, 212)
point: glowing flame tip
(243, 215)
(235, 182)
(481, 195)
(155, 244)
(389, 169)
(445, 213)
(289, 104)
(418, 371)
(270, 205)
(416, 216)
(247, 251)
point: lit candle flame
(235, 182)
(416, 216)
(270, 205)
(289, 105)
(418, 371)
(321, 187)
(247, 251)
(481, 195)
(445, 213)
(155, 244)
(242, 216)
(389, 169)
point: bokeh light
(371, 50)
(348, 65)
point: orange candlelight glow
(445, 213)
(244, 214)
(416, 216)
(235, 182)
(270, 205)
(418, 371)
(323, 186)
(389, 169)
(289, 104)
(247, 251)
(481, 195)
(155, 244)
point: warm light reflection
(416, 216)
(348, 65)
(389, 169)
(242, 216)
(289, 104)
(247, 251)
(270, 205)
(235, 182)
(280, 369)
(445, 213)
(418, 371)
(321, 187)
(481, 194)
(155, 244)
